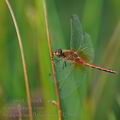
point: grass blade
(23, 61)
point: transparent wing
(80, 40)
(87, 47)
(70, 79)
(76, 33)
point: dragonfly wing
(87, 47)
(72, 87)
(76, 33)
(69, 78)
(80, 40)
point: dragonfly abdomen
(100, 68)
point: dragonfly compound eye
(58, 52)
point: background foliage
(100, 91)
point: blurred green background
(99, 18)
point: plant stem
(23, 61)
(53, 64)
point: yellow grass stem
(23, 61)
(53, 64)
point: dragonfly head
(58, 53)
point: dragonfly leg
(56, 61)
(64, 64)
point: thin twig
(53, 64)
(23, 61)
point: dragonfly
(74, 57)
(73, 76)
(81, 48)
